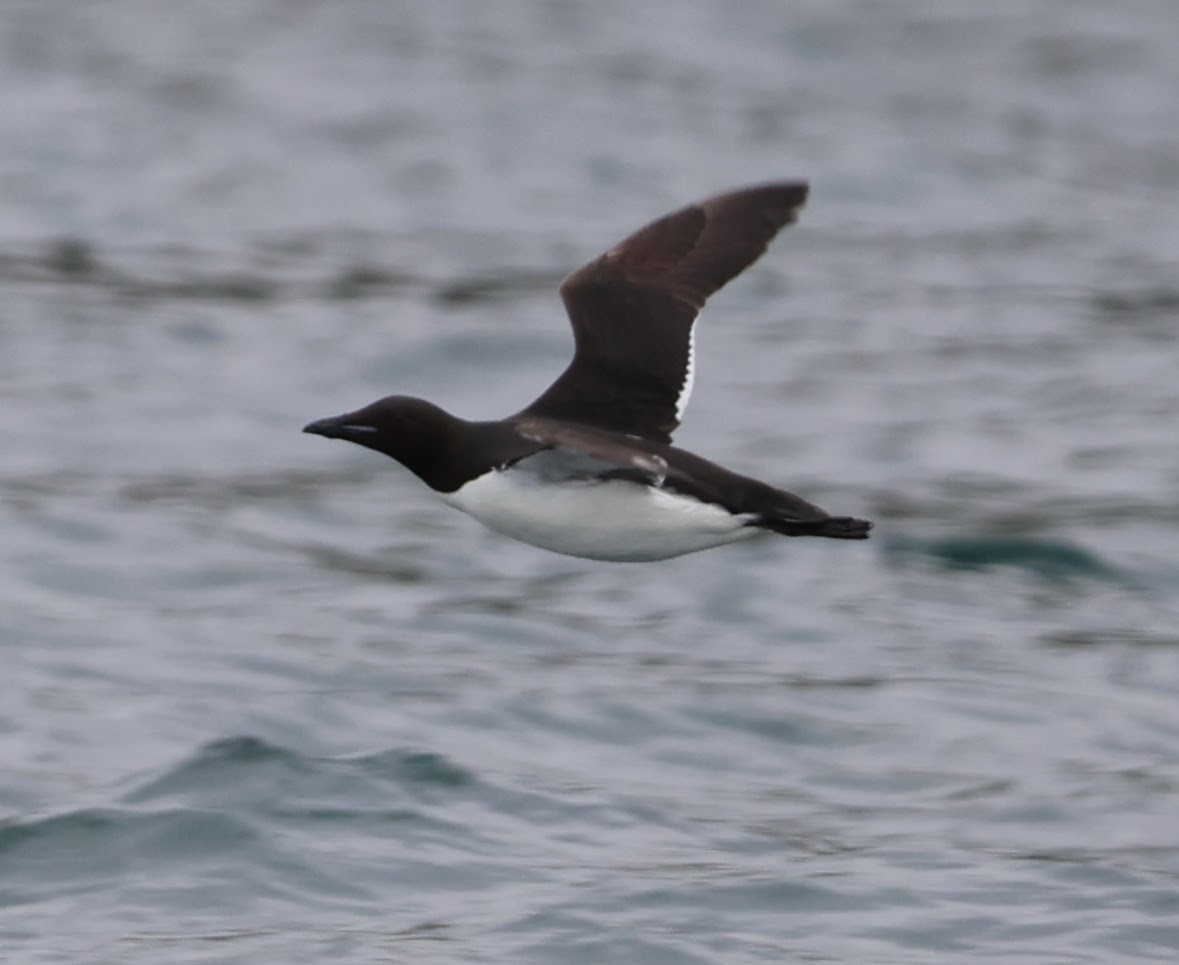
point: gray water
(264, 699)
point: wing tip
(782, 199)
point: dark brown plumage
(633, 308)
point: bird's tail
(832, 527)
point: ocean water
(264, 699)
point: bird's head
(412, 431)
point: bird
(588, 469)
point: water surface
(265, 700)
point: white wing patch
(689, 374)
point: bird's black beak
(340, 427)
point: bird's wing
(633, 309)
(572, 452)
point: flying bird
(588, 469)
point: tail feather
(832, 527)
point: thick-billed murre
(588, 469)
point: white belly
(615, 520)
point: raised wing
(633, 309)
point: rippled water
(263, 699)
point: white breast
(613, 520)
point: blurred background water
(263, 699)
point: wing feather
(634, 307)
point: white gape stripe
(612, 520)
(689, 374)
